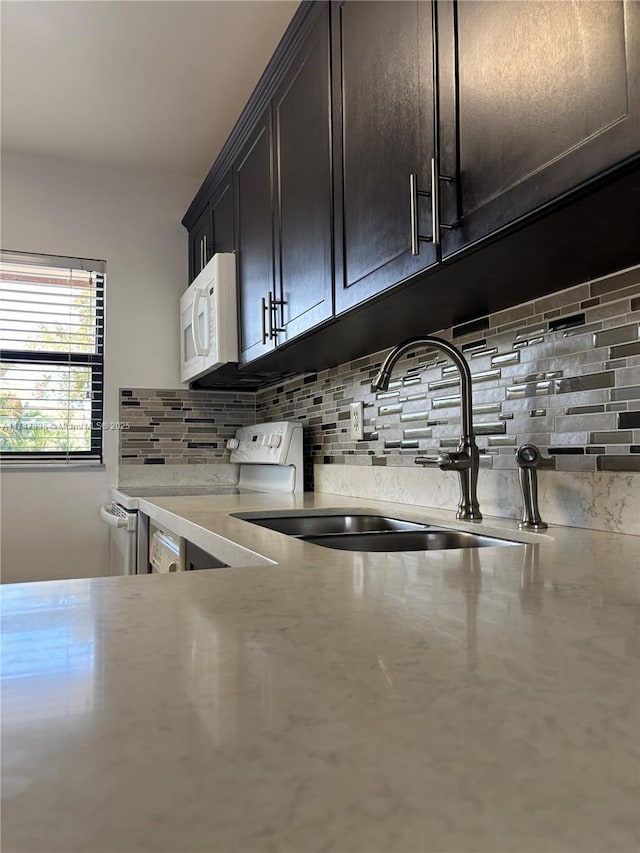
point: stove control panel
(271, 443)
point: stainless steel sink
(320, 525)
(409, 540)
(366, 532)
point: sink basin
(433, 539)
(366, 532)
(320, 525)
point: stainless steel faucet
(466, 459)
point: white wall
(49, 522)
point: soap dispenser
(528, 457)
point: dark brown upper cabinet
(535, 100)
(433, 162)
(383, 144)
(283, 199)
(301, 112)
(258, 291)
(222, 216)
(200, 243)
(214, 228)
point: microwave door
(193, 334)
(208, 319)
(200, 321)
(188, 344)
(190, 360)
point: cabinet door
(383, 134)
(254, 216)
(547, 98)
(222, 216)
(303, 170)
(200, 243)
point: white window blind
(51, 358)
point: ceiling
(154, 84)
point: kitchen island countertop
(479, 700)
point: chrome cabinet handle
(416, 237)
(413, 190)
(436, 225)
(435, 203)
(270, 313)
(275, 303)
(263, 312)
(269, 308)
(204, 239)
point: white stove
(269, 456)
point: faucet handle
(442, 460)
(428, 460)
(459, 460)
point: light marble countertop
(456, 701)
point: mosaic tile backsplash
(181, 427)
(562, 372)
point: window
(51, 358)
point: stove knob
(274, 440)
(233, 444)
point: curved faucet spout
(466, 459)
(381, 382)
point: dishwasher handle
(115, 519)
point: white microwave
(209, 319)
